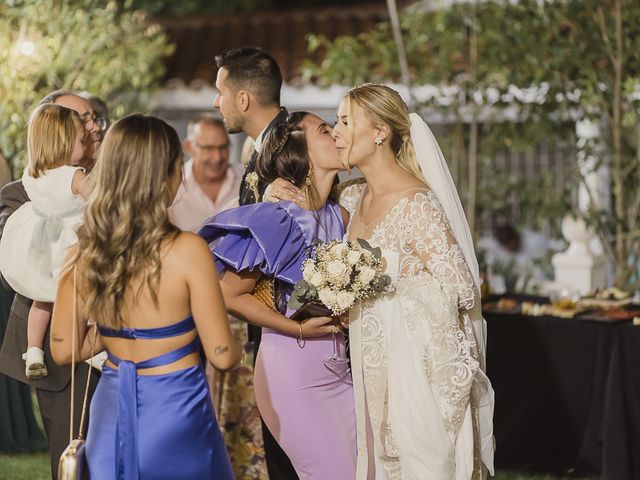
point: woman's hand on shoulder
(281, 189)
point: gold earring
(308, 180)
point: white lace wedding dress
(415, 360)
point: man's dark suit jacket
(247, 196)
(54, 390)
(12, 196)
(278, 464)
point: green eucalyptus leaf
(364, 244)
(294, 303)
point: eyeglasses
(213, 148)
(100, 122)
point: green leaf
(77, 44)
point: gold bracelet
(301, 341)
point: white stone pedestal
(578, 268)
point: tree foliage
(546, 63)
(102, 47)
(190, 7)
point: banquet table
(567, 394)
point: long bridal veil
(436, 172)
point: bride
(423, 402)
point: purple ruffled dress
(308, 408)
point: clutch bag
(311, 309)
(72, 464)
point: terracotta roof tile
(282, 33)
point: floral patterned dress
(235, 405)
(415, 360)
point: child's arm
(81, 184)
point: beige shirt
(192, 206)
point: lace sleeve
(430, 238)
(349, 193)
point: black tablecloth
(567, 394)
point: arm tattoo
(220, 349)
(56, 338)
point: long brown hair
(126, 221)
(285, 154)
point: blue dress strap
(174, 330)
(127, 431)
(160, 360)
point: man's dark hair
(253, 69)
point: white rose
(317, 280)
(327, 296)
(345, 300)
(368, 256)
(309, 271)
(336, 269)
(353, 257)
(338, 249)
(366, 275)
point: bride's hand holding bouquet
(335, 276)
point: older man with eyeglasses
(100, 112)
(52, 391)
(210, 184)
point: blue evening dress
(155, 426)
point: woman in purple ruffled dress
(307, 406)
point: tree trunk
(473, 175)
(613, 108)
(473, 128)
(617, 170)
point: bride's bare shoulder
(349, 193)
(412, 190)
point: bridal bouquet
(336, 275)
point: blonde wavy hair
(126, 222)
(51, 136)
(382, 105)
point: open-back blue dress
(155, 426)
